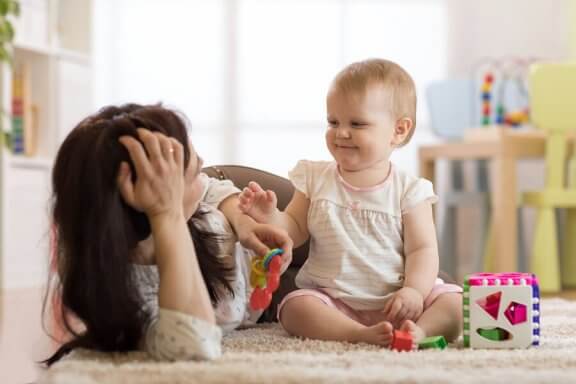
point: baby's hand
(258, 203)
(405, 304)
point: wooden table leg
(427, 167)
(505, 222)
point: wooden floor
(567, 294)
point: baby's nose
(342, 132)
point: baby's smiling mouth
(340, 146)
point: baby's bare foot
(417, 333)
(379, 334)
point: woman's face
(193, 185)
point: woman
(146, 250)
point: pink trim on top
(362, 189)
(510, 278)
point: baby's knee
(300, 305)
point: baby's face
(361, 129)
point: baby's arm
(261, 206)
(421, 265)
(420, 248)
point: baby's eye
(332, 123)
(357, 124)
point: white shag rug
(266, 354)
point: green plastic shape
(433, 342)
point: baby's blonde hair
(357, 77)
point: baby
(373, 261)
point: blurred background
(251, 75)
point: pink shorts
(368, 317)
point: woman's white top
(356, 234)
(172, 335)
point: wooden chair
(553, 109)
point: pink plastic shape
(491, 304)
(516, 313)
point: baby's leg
(442, 318)
(309, 316)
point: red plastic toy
(265, 278)
(402, 341)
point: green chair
(553, 109)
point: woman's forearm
(182, 286)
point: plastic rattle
(265, 278)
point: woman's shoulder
(215, 190)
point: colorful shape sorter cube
(501, 310)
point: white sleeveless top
(356, 234)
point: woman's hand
(260, 238)
(159, 185)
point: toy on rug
(265, 278)
(501, 310)
(433, 342)
(402, 341)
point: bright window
(251, 74)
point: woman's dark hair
(96, 232)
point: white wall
(504, 29)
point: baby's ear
(402, 131)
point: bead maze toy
(512, 118)
(503, 92)
(487, 97)
(501, 310)
(265, 278)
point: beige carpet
(267, 355)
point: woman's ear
(402, 131)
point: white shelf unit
(53, 40)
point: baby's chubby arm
(261, 205)
(421, 265)
(420, 248)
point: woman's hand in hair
(159, 191)
(159, 185)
